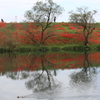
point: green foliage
(25, 48)
(74, 48)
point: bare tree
(83, 17)
(43, 14)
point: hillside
(13, 35)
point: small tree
(43, 14)
(84, 18)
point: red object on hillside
(2, 24)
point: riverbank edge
(55, 48)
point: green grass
(67, 48)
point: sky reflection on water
(66, 88)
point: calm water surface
(56, 76)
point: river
(50, 76)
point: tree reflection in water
(42, 80)
(85, 77)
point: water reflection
(80, 80)
(87, 64)
(41, 82)
(84, 78)
(48, 75)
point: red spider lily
(72, 28)
(79, 37)
(2, 24)
(55, 26)
(67, 35)
(98, 28)
(18, 26)
(61, 28)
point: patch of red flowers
(2, 24)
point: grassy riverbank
(67, 37)
(65, 48)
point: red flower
(2, 24)
(73, 28)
